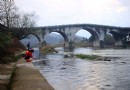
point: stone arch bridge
(98, 32)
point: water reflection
(76, 74)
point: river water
(76, 74)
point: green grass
(90, 57)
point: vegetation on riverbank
(95, 57)
(47, 49)
(90, 57)
(9, 45)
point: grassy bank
(89, 57)
(47, 49)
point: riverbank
(22, 75)
(47, 49)
(28, 77)
(6, 71)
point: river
(76, 74)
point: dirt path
(5, 75)
(27, 77)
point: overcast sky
(57, 12)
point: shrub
(109, 40)
(47, 49)
(5, 40)
(8, 47)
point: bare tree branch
(10, 17)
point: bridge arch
(83, 33)
(68, 31)
(63, 34)
(32, 34)
(93, 33)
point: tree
(5, 42)
(108, 40)
(91, 39)
(8, 12)
(27, 20)
(10, 16)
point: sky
(60, 12)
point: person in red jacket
(29, 56)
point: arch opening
(109, 40)
(33, 39)
(55, 39)
(83, 33)
(116, 35)
(85, 37)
